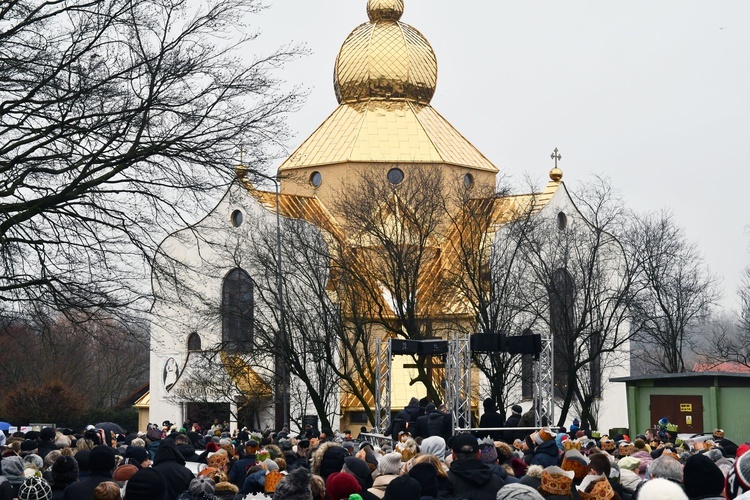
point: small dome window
(194, 342)
(395, 176)
(468, 181)
(562, 221)
(237, 218)
(316, 179)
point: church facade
(387, 223)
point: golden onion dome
(385, 59)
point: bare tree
(578, 287)
(674, 293)
(118, 118)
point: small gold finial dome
(378, 10)
(385, 59)
(556, 174)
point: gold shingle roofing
(379, 131)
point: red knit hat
(342, 484)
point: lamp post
(284, 389)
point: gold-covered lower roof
(382, 131)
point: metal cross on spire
(556, 156)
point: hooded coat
(546, 454)
(171, 464)
(471, 479)
(327, 459)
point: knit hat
(433, 445)
(359, 469)
(65, 470)
(12, 466)
(101, 458)
(35, 460)
(519, 466)
(489, 405)
(427, 476)
(390, 463)
(295, 486)
(136, 453)
(575, 462)
(403, 488)
(533, 476)
(487, 452)
(659, 489)
(270, 464)
(516, 409)
(702, 477)
(146, 484)
(202, 486)
(124, 472)
(556, 481)
(34, 488)
(340, 485)
(517, 491)
(738, 480)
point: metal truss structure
(458, 380)
(458, 383)
(544, 382)
(383, 386)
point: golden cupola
(385, 59)
(384, 77)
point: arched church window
(237, 305)
(194, 342)
(562, 293)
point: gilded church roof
(377, 131)
(384, 78)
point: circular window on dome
(395, 176)
(562, 221)
(316, 179)
(468, 181)
(237, 218)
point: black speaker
(399, 346)
(524, 344)
(487, 342)
(433, 347)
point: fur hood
(317, 457)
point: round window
(562, 221)
(468, 181)
(236, 218)
(395, 176)
(316, 179)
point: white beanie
(659, 489)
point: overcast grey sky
(654, 94)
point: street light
(280, 293)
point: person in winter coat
(389, 468)
(12, 468)
(64, 473)
(440, 422)
(402, 419)
(102, 464)
(513, 421)
(170, 463)
(421, 429)
(545, 454)
(491, 418)
(327, 459)
(469, 477)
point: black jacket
(513, 421)
(439, 424)
(171, 464)
(472, 479)
(84, 489)
(491, 419)
(546, 454)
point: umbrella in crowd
(4, 426)
(110, 427)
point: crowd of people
(423, 462)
